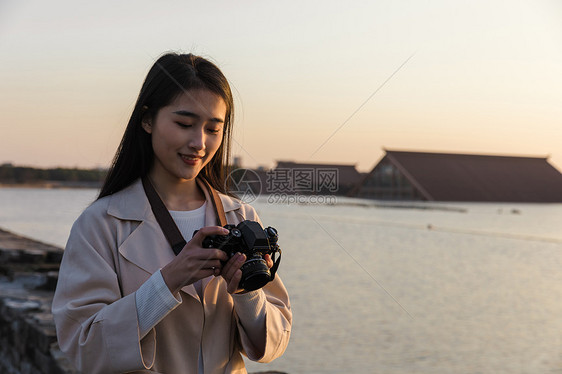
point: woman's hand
(195, 262)
(232, 274)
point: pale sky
(483, 77)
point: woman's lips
(190, 159)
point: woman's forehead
(202, 102)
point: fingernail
(225, 231)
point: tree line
(22, 174)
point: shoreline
(48, 185)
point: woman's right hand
(195, 262)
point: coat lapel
(146, 246)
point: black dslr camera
(250, 239)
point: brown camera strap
(165, 220)
(217, 203)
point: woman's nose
(197, 141)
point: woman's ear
(146, 121)
(146, 125)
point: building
(402, 175)
(307, 179)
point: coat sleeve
(96, 326)
(277, 330)
(278, 315)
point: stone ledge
(28, 342)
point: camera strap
(217, 203)
(165, 220)
(275, 266)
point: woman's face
(186, 134)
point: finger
(213, 267)
(234, 282)
(268, 260)
(206, 231)
(212, 264)
(198, 265)
(211, 254)
(234, 264)
(231, 266)
(207, 268)
(191, 252)
(204, 273)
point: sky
(314, 81)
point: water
(459, 288)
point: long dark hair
(170, 76)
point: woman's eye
(183, 125)
(214, 131)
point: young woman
(125, 302)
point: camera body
(250, 239)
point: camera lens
(255, 274)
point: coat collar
(132, 204)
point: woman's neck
(177, 194)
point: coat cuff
(154, 301)
(250, 306)
(122, 337)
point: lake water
(435, 288)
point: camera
(252, 240)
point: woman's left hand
(232, 274)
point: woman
(124, 301)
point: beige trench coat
(115, 246)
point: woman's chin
(189, 175)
